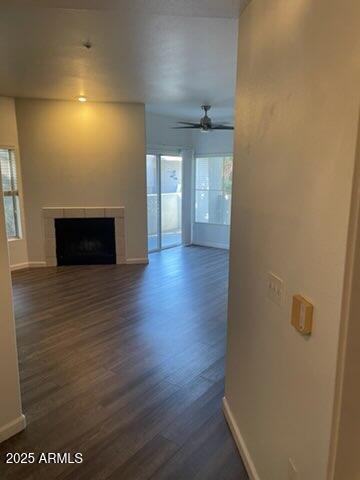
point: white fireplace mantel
(50, 214)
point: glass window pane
(9, 185)
(10, 217)
(216, 207)
(171, 200)
(151, 178)
(5, 168)
(153, 209)
(171, 174)
(152, 202)
(213, 184)
(202, 174)
(227, 208)
(228, 170)
(202, 207)
(215, 173)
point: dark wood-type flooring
(126, 365)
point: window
(10, 191)
(213, 182)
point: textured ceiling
(172, 55)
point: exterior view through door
(164, 201)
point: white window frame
(14, 193)
(209, 155)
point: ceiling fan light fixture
(205, 125)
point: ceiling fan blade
(222, 127)
(190, 124)
(191, 127)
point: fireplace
(93, 235)
(85, 241)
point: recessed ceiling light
(82, 98)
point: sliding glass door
(152, 202)
(164, 201)
(171, 200)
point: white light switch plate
(275, 288)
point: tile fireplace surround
(49, 214)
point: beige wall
(9, 138)
(346, 462)
(296, 107)
(78, 155)
(11, 419)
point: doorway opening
(164, 175)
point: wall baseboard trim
(37, 264)
(12, 428)
(25, 265)
(137, 261)
(19, 266)
(223, 246)
(240, 442)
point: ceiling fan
(205, 125)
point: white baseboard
(25, 265)
(137, 261)
(223, 246)
(19, 266)
(240, 443)
(37, 264)
(12, 428)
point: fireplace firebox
(85, 241)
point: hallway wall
(11, 418)
(9, 138)
(345, 454)
(296, 123)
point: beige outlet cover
(302, 315)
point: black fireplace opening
(85, 241)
